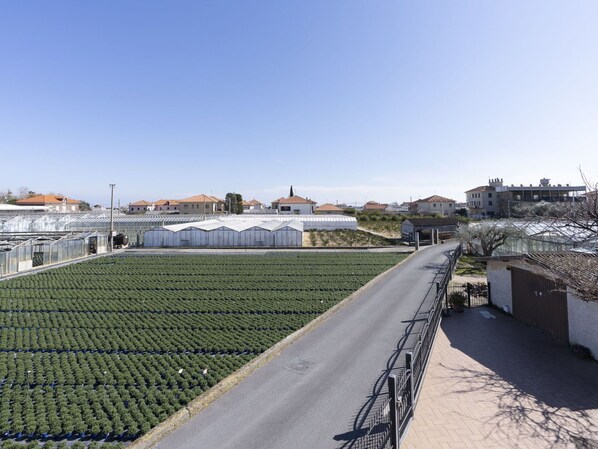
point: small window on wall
(489, 203)
(489, 194)
(285, 208)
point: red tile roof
(202, 198)
(294, 200)
(46, 199)
(482, 189)
(167, 203)
(435, 199)
(328, 208)
(140, 203)
(373, 205)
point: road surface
(318, 392)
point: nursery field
(101, 351)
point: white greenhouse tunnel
(230, 233)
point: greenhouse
(227, 233)
(134, 226)
(22, 252)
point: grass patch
(468, 266)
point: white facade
(499, 278)
(583, 321)
(217, 233)
(296, 208)
(436, 207)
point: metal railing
(404, 388)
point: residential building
(54, 203)
(141, 207)
(294, 205)
(434, 204)
(167, 206)
(396, 208)
(328, 209)
(482, 201)
(497, 199)
(201, 204)
(253, 205)
(372, 206)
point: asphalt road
(318, 392)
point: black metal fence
(477, 293)
(404, 388)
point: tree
(485, 237)
(576, 270)
(291, 193)
(84, 205)
(233, 203)
(583, 215)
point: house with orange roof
(201, 204)
(434, 204)
(295, 204)
(141, 207)
(54, 203)
(328, 208)
(374, 206)
(253, 205)
(167, 206)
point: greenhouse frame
(23, 252)
(226, 234)
(134, 226)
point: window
(489, 194)
(285, 208)
(489, 203)
(434, 205)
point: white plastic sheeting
(229, 233)
(310, 222)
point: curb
(198, 404)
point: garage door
(540, 302)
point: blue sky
(346, 100)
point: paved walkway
(497, 383)
(318, 392)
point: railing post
(394, 422)
(409, 367)
(469, 295)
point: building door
(540, 302)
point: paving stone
(501, 384)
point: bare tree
(576, 270)
(583, 215)
(484, 237)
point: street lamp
(112, 186)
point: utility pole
(112, 186)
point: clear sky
(346, 100)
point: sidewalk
(497, 383)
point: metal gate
(540, 302)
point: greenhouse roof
(234, 225)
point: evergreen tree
(291, 193)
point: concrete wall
(583, 321)
(500, 285)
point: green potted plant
(457, 301)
